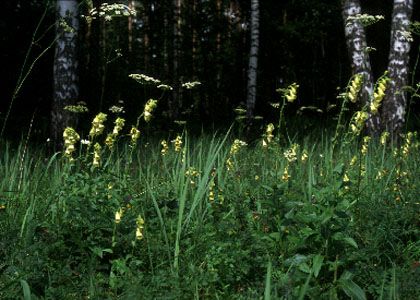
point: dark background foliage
(300, 41)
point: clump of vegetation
(119, 216)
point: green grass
(333, 230)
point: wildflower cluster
(291, 92)
(79, 108)
(304, 156)
(192, 173)
(378, 94)
(408, 142)
(234, 149)
(354, 87)
(165, 148)
(268, 134)
(110, 139)
(191, 85)
(116, 109)
(165, 87)
(365, 145)
(144, 79)
(134, 135)
(291, 153)
(291, 156)
(96, 155)
(358, 121)
(71, 137)
(97, 125)
(384, 138)
(364, 19)
(118, 215)
(148, 109)
(177, 143)
(139, 229)
(110, 11)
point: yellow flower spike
(365, 145)
(354, 88)
(285, 177)
(384, 138)
(71, 137)
(134, 134)
(291, 92)
(269, 132)
(304, 156)
(291, 154)
(177, 143)
(165, 148)
(96, 155)
(139, 228)
(148, 109)
(346, 178)
(97, 125)
(118, 215)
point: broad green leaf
(26, 290)
(317, 261)
(267, 291)
(352, 289)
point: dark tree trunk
(66, 89)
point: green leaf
(350, 287)
(317, 261)
(339, 236)
(267, 291)
(26, 290)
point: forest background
(300, 41)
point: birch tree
(360, 60)
(253, 59)
(66, 89)
(395, 101)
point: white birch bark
(360, 60)
(395, 101)
(66, 89)
(253, 59)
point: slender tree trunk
(253, 59)
(360, 61)
(395, 101)
(176, 95)
(131, 5)
(146, 39)
(66, 89)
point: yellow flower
(134, 134)
(118, 215)
(139, 229)
(354, 87)
(97, 125)
(148, 109)
(71, 137)
(291, 92)
(365, 145)
(177, 143)
(291, 154)
(286, 176)
(269, 132)
(304, 156)
(378, 94)
(384, 137)
(96, 155)
(165, 148)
